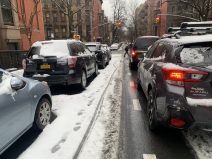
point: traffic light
(157, 20)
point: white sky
(107, 6)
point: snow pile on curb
(102, 142)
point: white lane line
(149, 156)
(136, 105)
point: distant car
(176, 78)
(101, 54)
(60, 62)
(24, 103)
(107, 49)
(114, 47)
(140, 48)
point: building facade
(10, 38)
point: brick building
(27, 8)
(10, 38)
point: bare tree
(202, 7)
(26, 23)
(133, 18)
(65, 6)
(119, 15)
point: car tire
(103, 65)
(151, 111)
(96, 70)
(42, 114)
(83, 82)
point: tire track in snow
(95, 116)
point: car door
(149, 65)
(15, 111)
(92, 59)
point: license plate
(45, 66)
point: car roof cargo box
(205, 24)
(173, 29)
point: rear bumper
(176, 106)
(59, 79)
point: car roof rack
(205, 24)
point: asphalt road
(136, 140)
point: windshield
(144, 43)
(58, 49)
(92, 48)
(196, 55)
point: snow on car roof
(192, 39)
(92, 43)
(39, 43)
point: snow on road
(62, 137)
(201, 142)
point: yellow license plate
(45, 66)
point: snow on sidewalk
(60, 139)
(103, 140)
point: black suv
(176, 78)
(102, 56)
(60, 62)
(140, 48)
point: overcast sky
(107, 6)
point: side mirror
(16, 83)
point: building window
(12, 46)
(6, 12)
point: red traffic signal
(157, 20)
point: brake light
(72, 61)
(133, 53)
(24, 64)
(178, 77)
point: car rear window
(58, 49)
(144, 43)
(92, 48)
(197, 54)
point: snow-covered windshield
(92, 48)
(58, 49)
(196, 55)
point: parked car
(176, 78)
(114, 47)
(101, 55)
(24, 103)
(107, 49)
(63, 62)
(139, 49)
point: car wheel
(103, 64)
(96, 70)
(83, 83)
(42, 114)
(151, 111)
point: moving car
(114, 47)
(24, 103)
(140, 48)
(102, 56)
(63, 62)
(176, 78)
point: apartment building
(10, 37)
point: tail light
(24, 64)
(179, 77)
(133, 53)
(178, 123)
(72, 61)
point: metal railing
(11, 59)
